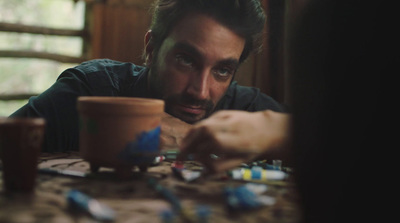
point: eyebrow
(193, 51)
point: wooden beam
(20, 28)
(130, 3)
(41, 55)
(15, 97)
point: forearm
(277, 137)
(238, 137)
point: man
(192, 51)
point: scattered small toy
(99, 211)
(157, 160)
(247, 197)
(179, 170)
(167, 216)
(257, 173)
(203, 213)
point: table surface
(133, 200)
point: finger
(201, 150)
(227, 164)
(232, 143)
(194, 137)
(190, 143)
(220, 143)
(206, 152)
(214, 166)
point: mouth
(187, 108)
(191, 109)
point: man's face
(194, 66)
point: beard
(159, 90)
(186, 99)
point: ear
(148, 47)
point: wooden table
(132, 199)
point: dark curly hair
(244, 17)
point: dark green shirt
(105, 77)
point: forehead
(207, 35)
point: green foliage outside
(25, 75)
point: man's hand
(235, 137)
(172, 131)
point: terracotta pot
(20, 144)
(119, 132)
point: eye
(184, 60)
(223, 73)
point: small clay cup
(111, 126)
(20, 145)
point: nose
(199, 86)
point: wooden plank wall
(117, 30)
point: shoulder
(103, 76)
(108, 66)
(103, 70)
(247, 98)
